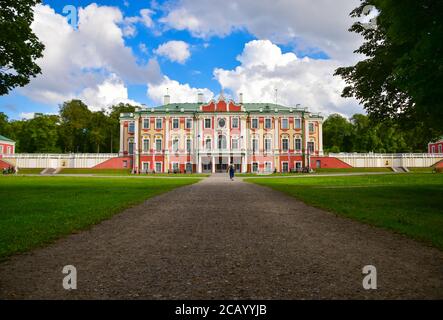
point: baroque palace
(208, 136)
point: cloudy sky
(135, 50)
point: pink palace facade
(205, 137)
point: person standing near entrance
(231, 170)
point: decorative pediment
(221, 106)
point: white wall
(80, 160)
(379, 160)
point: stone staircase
(49, 171)
(400, 169)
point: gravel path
(219, 239)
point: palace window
(131, 127)
(221, 142)
(285, 144)
(268, 144)
(433, 149)
(254, 123)
(188, 145)
(208, 124)
(131, 147)
(175, 123)
(146, 123)
(175, 143)
(439, 148)
(145, 145)
(297, 144)
(284, 123)
(268, 123)
(175, 167)
(285, 167)
(311, 146)
(254, 145)
(208, 144)
(234, 144)
(145, 166)
(234, 123)
(158, 123)
(297, 123)
(255, 167)
(158, 167)
(188, 123)
(311, 127)
(158, 145)
(268, 167)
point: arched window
(222, 142)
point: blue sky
(131, 51)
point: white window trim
(210, 123)
(148, 120)
(252, 121)
(281, 123)
(143, 144)
(149, 165)
(258, 166)
(172, 165)
(309, 127)
(287, 162)
(178, 122)
(161, 121)
(232, 123)
(264, 144)
(295, 127)
(295, 164)
(210, 139)
(264, 123)
(161, 145)
(186, 123)
(295, 145)
(283, 149)
(266, 162)
(161, 166)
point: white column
(121, 138)
(199, 169)
(136, 143)
(166, 145)
(320, 138)
(213, 164)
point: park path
(219, 239)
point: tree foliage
(19, 46)
(362, 134)
(402, 77)
(74, 129)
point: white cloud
(309, 25)
(129, 29)
(176, 51)
(178, 92)
(27, 115)
(308, 82)
(112, 91)
(75, 60)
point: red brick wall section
(329, 162)
(4, 164)
(115, 163)
(438, 164)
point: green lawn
(421, 170)
(30, 170)
(410, 204)
(37, 210)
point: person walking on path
(231, 170)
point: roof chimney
(166, 99)
(200, 98)
(240, 98)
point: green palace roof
(3, 138)
(195, 107)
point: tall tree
(402, 77)
(19, 46)
(75, 118)
(337, 134)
